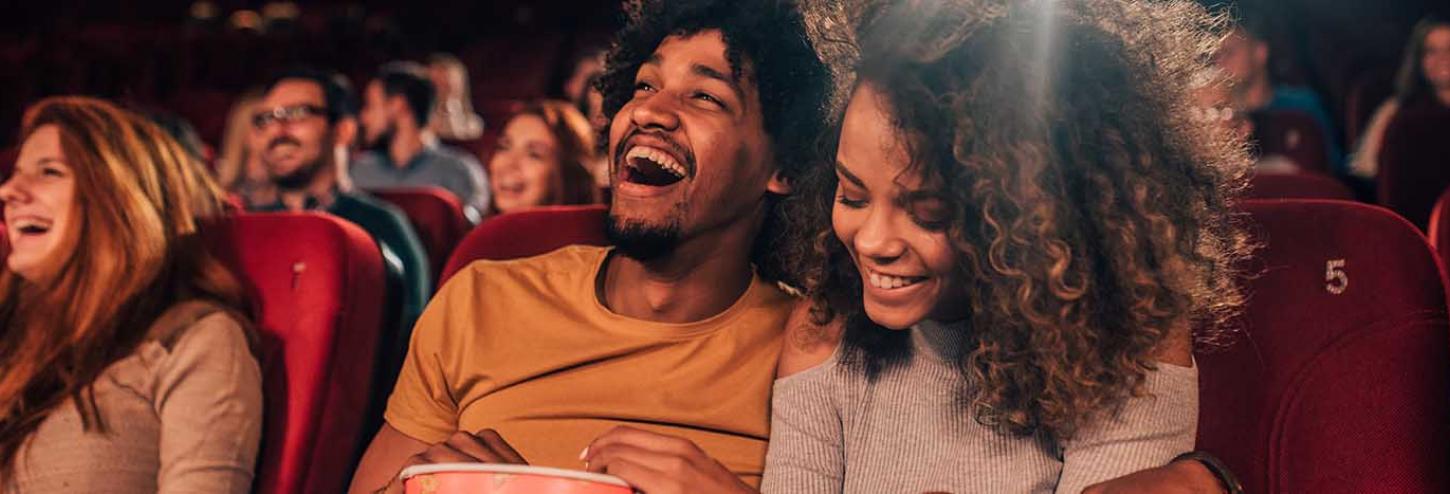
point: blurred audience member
(453, 116)
(1213, 97)
(542, 159)
(396, 108)
(125, 365)
(182, 132)
(591, 104)
(302, 128)
(1244, 56)
(1423, 83)
(238, 169)
(574, 75)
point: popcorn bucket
(489, 478)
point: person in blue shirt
(1244, 57)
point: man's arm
(383, 460)
(391, 451)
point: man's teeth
(888, 282)
(660, 158)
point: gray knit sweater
(832, 431)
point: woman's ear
(779, 184)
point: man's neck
(406, 144)
(1443, 95)
(1256, 92)
(699, 279)
(322, 190)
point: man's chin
(641, 239)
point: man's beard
(300, 178)
(642, 241)
(381, 141)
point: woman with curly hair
(125, 365)
(1022, 228)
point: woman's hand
(659, 464)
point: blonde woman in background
(239, 170)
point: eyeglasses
(289, 114)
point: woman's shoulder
(198, 324)
(808, 344)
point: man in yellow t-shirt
(662, 349)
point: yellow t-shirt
(526, 348)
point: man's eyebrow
(728, 79)
(653, 60)
(841, 169)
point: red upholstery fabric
(529, 233)
(436, 215)
(1294, 135)
(1330, 392)
(207, 110)
(1415, 163)
(1368, 91)
(1439, 232)
(316, 284)
(1297, 186)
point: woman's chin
(893, 318)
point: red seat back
(1415, 163)
(529, 233)
(316, 283)
(1294, 135)
(1368, 91)
(1439, 232)
(436, 215)
(1341, 383)
(1297, 186)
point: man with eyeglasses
(301, 131)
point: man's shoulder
(367, 160)
(445, 155)
(1299, 97)
(371, 213)
(569, 261)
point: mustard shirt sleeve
(423, 406)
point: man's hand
(484, 447)
(1179, 477)
(659, 464)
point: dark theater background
(193, 57)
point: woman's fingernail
(584, 454)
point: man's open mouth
(651, 166)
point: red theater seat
(436, 215)
(316, 284)
(1439, 231)
(528, 233)
(1297, 186)
(1368, 91)
(1341, 383)
(1415, 163)
(1294, 135)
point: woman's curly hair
(766, 36)
(1091, 216)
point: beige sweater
(833, 431)
(184, 414)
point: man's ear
(779, 184)
(344, 132)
